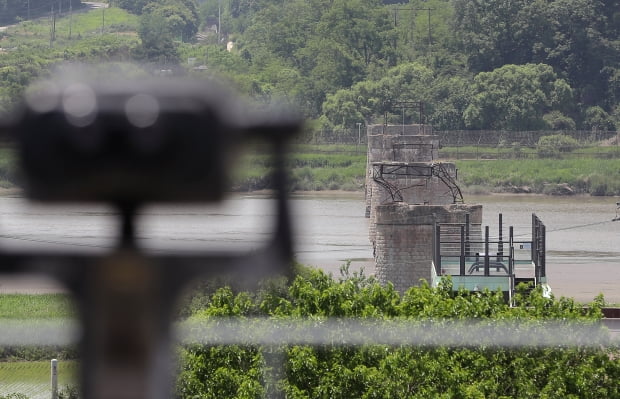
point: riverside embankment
(343, 167)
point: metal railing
(457, 254)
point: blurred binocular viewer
(127, 143)
(165, 140)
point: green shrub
(555, 144)
(558, 121)
(382, 371)
(69, 392)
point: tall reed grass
(584, 175)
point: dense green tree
(556, 120)
(361, 28)
(424, 32)
(578, 50)
(332, 45)
(450, 97)
(516, 97)
(371, 99)
(162, 22)
(180, 17)
(595, 118)
(157, 40)
(444, 99)
(491, 32)
(280, 31)
(133, 6)
(578, 38)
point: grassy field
(584, 175)
(342, 167)
(44, 306)
(311, 168)
(82, 24)
(26, 370)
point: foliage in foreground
(379, 371)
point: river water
(583, 244)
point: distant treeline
(454, 64)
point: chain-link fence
(504, 138)
(33, 379)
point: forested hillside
(511, 64)
(457, 64)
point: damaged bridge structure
(417, 213)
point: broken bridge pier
(408, 192)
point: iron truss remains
(389, 175)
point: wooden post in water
(54, 376)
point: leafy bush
(380, 371)
(597, 119)
(69, 392)
(558, 121)
(553, 145)
(34, 353)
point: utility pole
(359, 136)
(219, 21)
(359, 133)
(52, 26)
(102, 19)
(70, 17)
(396, 10)
(430, 53)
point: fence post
(462, 257)
(543, 250)
(511, 260)
(467, 248)
(500, 243)
(54, 378)
(437, 248)
(486, 251)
